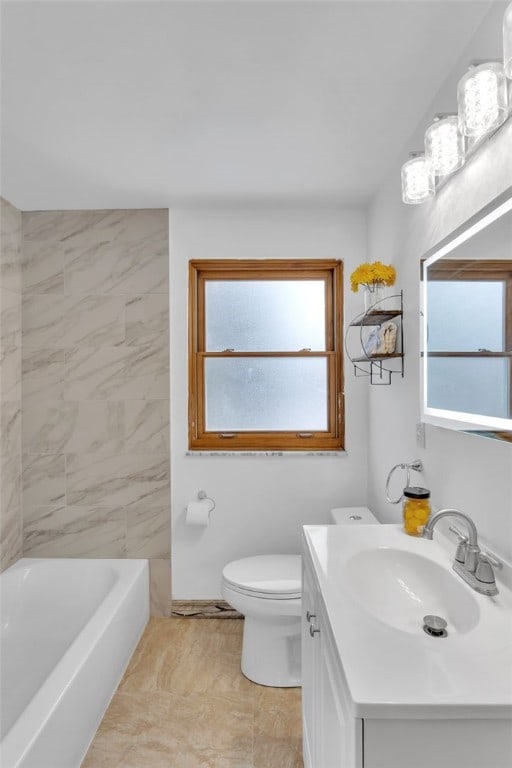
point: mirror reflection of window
(466, 316)
(470, 385)
(469, 354)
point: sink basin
(377, 583)
(400, 587)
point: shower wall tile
(43, 267)
(61, 226)
(11, 246)
(122, 372)
(146, 426)
(43, 373)
(11, 536)
(10, 428)
(66, 531)
(10, 510)
(44, 320)
(11, 542)
(147, 532)
(98, 428)
(89, 267)
(44, 479)
(147, 316)
(48, 425)
(123, 480)
(95, 373)
(10, 317)
(59, 426)
(160, 587)
(43, 363)
(95, 385)
(95, 321)
(39, 390)
(67, 321)
(120, 269)
(124, 252)
(10, 485)
(10, 365)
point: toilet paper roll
(198, 512)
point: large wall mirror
(467, 325)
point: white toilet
(267, 589)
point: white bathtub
(69, 628)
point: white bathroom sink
(399, 588)
(377, 584)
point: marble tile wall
(10, 384)
(95, 388)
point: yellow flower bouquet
(371, 275)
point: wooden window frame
(331, 271)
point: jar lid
(414, 492)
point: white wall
(471, 473)
(262, 501)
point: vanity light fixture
(484, 105)
(444, 144)
(482, 98)
(417, 179)
(507, 41)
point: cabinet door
(339, 734)
(332, 738)
(310, 653)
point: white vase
(372, 295)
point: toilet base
(271, 652)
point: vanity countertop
(377, 583)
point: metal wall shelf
(375, 365)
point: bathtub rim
(15, 745)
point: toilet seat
(268, 577)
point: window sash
(275, 312)
(202, 271)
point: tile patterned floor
(183, 703)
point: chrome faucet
(470, 563)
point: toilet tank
(352, 516)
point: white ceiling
(156, 104)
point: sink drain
(435, 626)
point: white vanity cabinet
(332, 738)
(382, 729)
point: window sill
(265, 453)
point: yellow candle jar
(416, 510)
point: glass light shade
(507, 41)
(482, 99)
(417, 180)
(444, 145)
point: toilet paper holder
(198, 512)
(203, 496)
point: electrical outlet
(420, 434)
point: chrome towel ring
(416, 465)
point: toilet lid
(266, 575)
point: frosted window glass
(263, 315)
(472, 385)
(247, 393)
(465, 316)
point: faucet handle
(460, 554)
(472, 556)
(462, 546)
(457, 532)
(484, 571)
